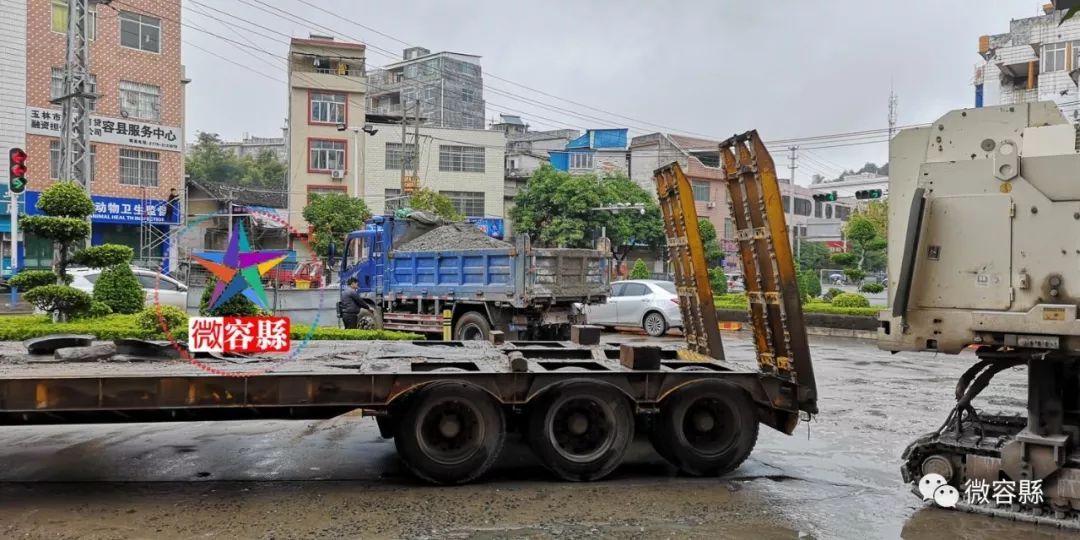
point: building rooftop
(324, 41)
(243, 195)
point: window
(729, 229)
(141, 101)
(701, 191)
(786, 199)
(817, 209)
(327, 108)
(147, 281)
(394, 201)
(617, 289)
(828, 211)
(57, 86)
(635, 289)
(842, 212)
(54, 160)
(326, 155)
(469, 203)
(467, 95)
(581, 160)
(324, 190)
(461, 158)
(802, 206)
(140, 32)
(666, 286)
(394, 156)
(138, 168)
(1053, 57)
(60, 19)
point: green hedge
(20, 327)
(850, 300)
(738, 301)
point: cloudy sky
(697, 67)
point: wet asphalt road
(837, 477)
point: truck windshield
(356, 252)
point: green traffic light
(18, 184)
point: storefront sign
(492, 227)
(107, 130)
(119, 210)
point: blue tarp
(609, 138)
(560, 160)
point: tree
(813, 256)
(210, 161)
(714, 256)
(717, 280)
(332, 216)
(861, 232)
(118, 288)
(877, 212)
(556, 209)
(237, 305)
(639, 271)
(433, 202)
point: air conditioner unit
(337, 174)
(710, 204)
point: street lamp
(370, 130)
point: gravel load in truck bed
(456, 236)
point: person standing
(351, 304)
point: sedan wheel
(655, 325)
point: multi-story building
(252, 146)
(12, 106)
(136, 125)
(1038, 59)
(466, 165)
(527, 151)
(448, 86)
(598, 151)
(326, 95)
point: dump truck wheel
(450, 432)
(365, 319)
(706, 428)
(580, 430)
(472, 326)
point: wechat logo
(934, 487)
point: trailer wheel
(450, 432)
(472, 326)
(707, 428)
(580, 430)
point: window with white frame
(54, 160)
(701, 191)
(314, 191)
(140, 32)
(581, 160)
(395, 155)
(394, 201)
(57, 86)
(461, 158)
(327, 108)
(141, 101)
(326, 155)
(139, 168)
(1053, 57)
(60, 19)
(468, 203)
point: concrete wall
(491, 182)
(300, 305)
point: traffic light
(825, 197)
(868, 194)
(17, 170)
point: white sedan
(169, 291)
(650, 304)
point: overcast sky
(711, 67)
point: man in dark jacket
(351, 304)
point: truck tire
(450, 432)
(580, 430)
(654, 324)
(365, 319)
(472, 326)
(707, 428)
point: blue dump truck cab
(521, 291)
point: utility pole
(892, 112)
(791, 197)
(416, 144)
(76, 99)
(404, 147)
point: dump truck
(448, 406)
(421, 274)
(981, 203)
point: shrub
(832, 293)
(855, 275)
(29, 279)
(66, 199)
(639, 271)
(872, 288)
(60, 299)
(120, 289)
(104, 256)
(237, 305)
(718, 281)
(96, 310)
(64, 230)
(818, 307)
(175, 318)
(809, 284)
(850, 300)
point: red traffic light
(17, 156)
(18, 169)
